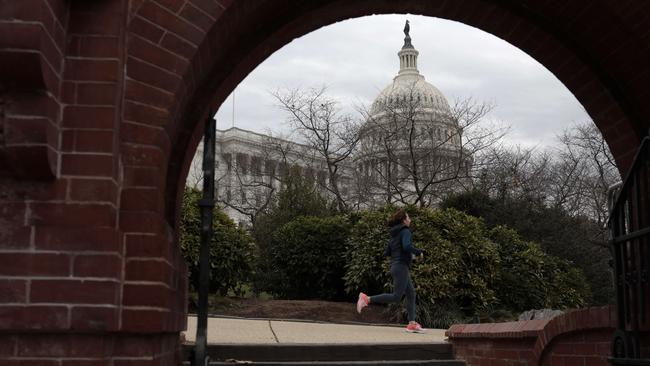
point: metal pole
(207, 206)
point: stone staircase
(385, 354)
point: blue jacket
(400, 247)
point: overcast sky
(357, 58)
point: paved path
(251, 331)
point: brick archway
(567, 39)
(101, 115)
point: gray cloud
(357, 58)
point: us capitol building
(409, 140)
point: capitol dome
(410, 86)
(410, 147)
(403, 87)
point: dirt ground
(335, 312)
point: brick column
(68, 293)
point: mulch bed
(325, 311)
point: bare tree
(195, 173)
(249, 183)
(246, 194)
(479, 137)
(414, 152)
(586, 170)
(574, 176)
(515, 172)
(324, 128)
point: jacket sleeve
(387, 252)
(407, 244)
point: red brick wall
(79, 270)
(581, 337)
(32, 49)
(101, 105)
(591, 347)
(89, 350)
(498, 351)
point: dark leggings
(401, 285)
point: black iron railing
(200, 357)
(629, 227)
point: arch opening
(561, 53)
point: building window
(282, 169)
(269, 167)
(242, 163)
(227, 158)
(256, 166)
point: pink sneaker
(414, 328)
(363, 301)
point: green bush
(567, 286)
(557, 233)
(298, 197)
(477, 255)
(231, 253)
(531, 279)
(457, 271)
(521, 284)
(306, 259)
(365, 266)
(468, 273)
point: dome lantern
(408, 55)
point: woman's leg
(400, 275)
(410, 300)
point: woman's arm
(407, 244)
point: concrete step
(331, 354)
(341, 363)
(352, 363)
